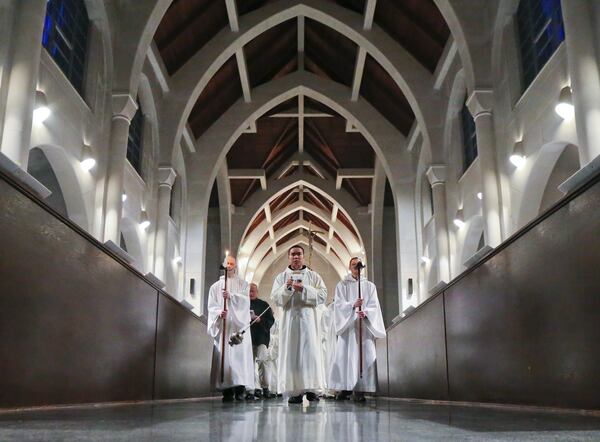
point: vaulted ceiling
(300, 124)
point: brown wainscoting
(417, 354)
(77, 325)
(522, 327)
(183, 353)
(383, 382)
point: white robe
(344, 374)
(273, 355)
(299, 366)
(328, 338)
(239, 362)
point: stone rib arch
(71, 179)
(387, 142)
(137, 22)
(299, 239)
(275, 188)
(262, 229)
(413, 79)
(261, 251)
(469, 26)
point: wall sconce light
(479, 195)
(41, 111)
(144, 220)
(518, 155)
(124, 197)
(177, 260)
(425, 259)
(459, 219)
(87, 159)
(565, 107)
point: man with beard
(238, 365)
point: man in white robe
(345, 372)
(273, 355)
(298, 291)
(328, 339)
(238, 362)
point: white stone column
(436, 174)
(124, 107)
(24, 63)
(578, 16)
(480, 105)
(166, 178)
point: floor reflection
(380, 420)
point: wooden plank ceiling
(188, 25)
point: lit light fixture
(144, 221)
(41, 110)
(425, 260)
(87, 159)
(177, 260)
(565, 107)
(518, 155)
(124, 197)
(479, 195)
(459, 219)
(226, 253)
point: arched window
(135, 140)
(541, 31)
(469, 137)
(65, 37)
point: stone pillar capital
(123, 106)
(166, 176)
(437, 174)
(481, 102)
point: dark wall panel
(183, 353)
(75, 325)
(417, 354)
(525, 326)
(382, 368)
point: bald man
(238, 363)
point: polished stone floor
(377, 420)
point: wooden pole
(360, 346)
(224, 331)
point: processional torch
(359, 267)
(224, 332)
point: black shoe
(295, 399)
(251, 397)
(239, 396)
(359, 397)
(258, 393)
(312, 397)
(266, 393)
(343, 396)
(227, 398)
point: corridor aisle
(381, 420)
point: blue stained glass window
(135, 140)
(65, 37)
(469, 137)
(541, 31)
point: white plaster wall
(527, 116)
